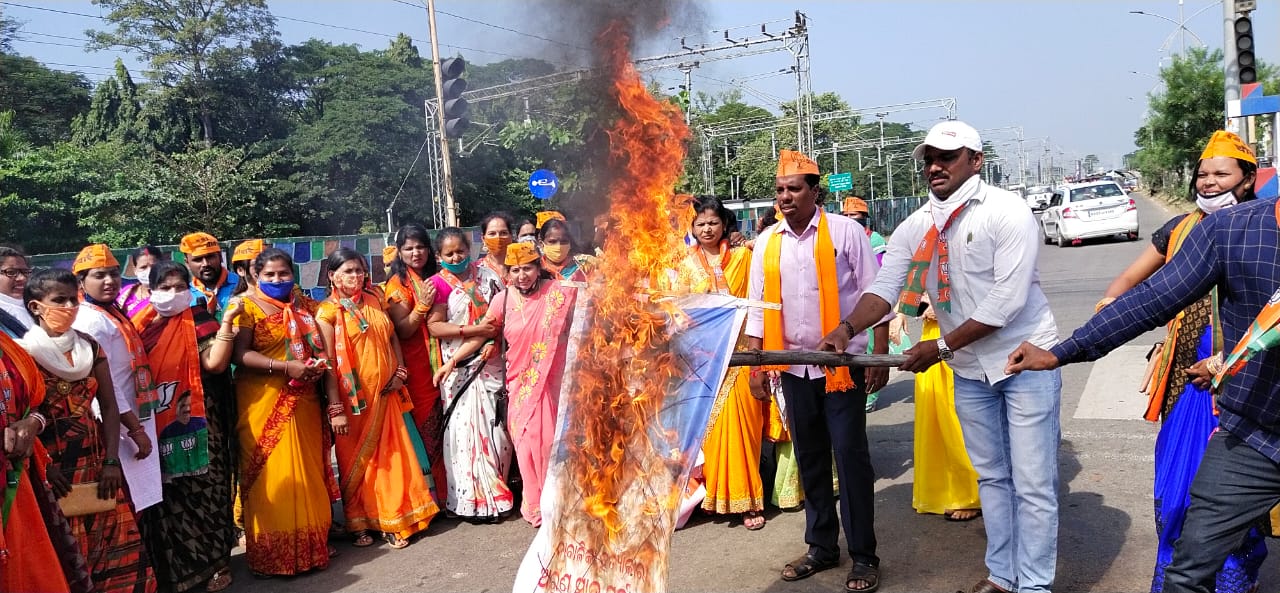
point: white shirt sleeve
(1017, 244)
(755, 285)
(113, 348)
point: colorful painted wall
(308, 257)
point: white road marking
(1112, 390)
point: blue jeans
(1011, 431)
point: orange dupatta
(210, 294)
(185, 450)
(912, 298)
(139, 362)
(345, 352)
(824, 255)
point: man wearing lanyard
(973, 248)
(815, 265)
(209, 278)
(1237, 251)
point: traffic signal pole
(1230, 68)
(446, 168)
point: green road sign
(840, 181)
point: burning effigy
(644, 366)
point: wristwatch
(944, 351)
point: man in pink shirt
(817, 265)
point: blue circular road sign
(543, 184)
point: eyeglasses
(15, 272)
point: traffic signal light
(451, 100)
(1244, 50)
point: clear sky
(1061, 70)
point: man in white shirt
(973, 247)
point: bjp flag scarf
(175, 362)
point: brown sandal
(866, 573)
(806, 566)
(363, 540)
(395, 541)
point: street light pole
(446, 167)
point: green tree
(43, 100)
(185, 39)
(114, 112)
(1182, 116)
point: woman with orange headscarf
(383, 488)
(533, 315)
(1191, 354)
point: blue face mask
(280, 291)
(458, 268)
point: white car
(1038, 197)
(1080, 211)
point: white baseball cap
(949, 135)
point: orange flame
(625, 368)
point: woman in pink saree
(533, 316)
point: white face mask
(1214, 203)
(169, 303)
(144, 276)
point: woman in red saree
(409, 299)
(383, 488)
(534, 315)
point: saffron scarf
(299, 326)
(210, 294)
(911, 301)
(175, 359)
(716, 272)
(824, 256)
(477, 307)
(345, 352)
(139, 362)
(564, 270)
(1158, 388)
(1263, 334)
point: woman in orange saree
(282, 454)
(533, 314)
(383, 488)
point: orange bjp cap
(247, 250)
(94, 256)
(544, 217)
(855, 205)
(519, 254)
(791, 162)
(199, 245)
(1224, 143)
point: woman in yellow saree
(282, 453)
(383, 487)
(731, 448)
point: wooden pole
(813, 357)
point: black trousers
(821, 423)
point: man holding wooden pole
(816, 265)
(973, 248)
